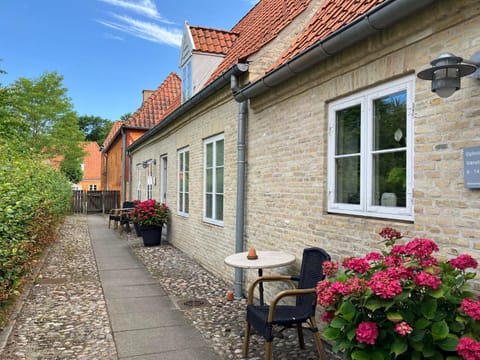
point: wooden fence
(94, 201)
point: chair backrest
(128, 204)
(310, 274)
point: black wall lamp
(446, 72)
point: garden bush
(34, 199)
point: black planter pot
(152, 235)
(137, 229)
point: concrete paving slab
(126, 277)
(139, 304)
(187, 354)
(115, 291)
(145, 320)
(157, 340)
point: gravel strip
(64, 316)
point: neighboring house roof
(332, 15)
(160, 103)
(260, 26)
(91, 161)
(212, 40)
(154, 108)
(112, 134)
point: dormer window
(203, 49)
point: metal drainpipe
(124, 160)
(240, 211)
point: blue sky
(108, 51)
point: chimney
(146, 94)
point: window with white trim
(149, 178)
(370, 152)
(139, 182)
(183, 178)
(213, 175)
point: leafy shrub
(34, 198)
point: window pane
(348, 131)
(180, 165)
(348, 180)
(180, 182)
(390, 121)
(180, 202)
(209, 155)
(208, 206)
(219, 207)
(187, 160)
(209, 180)
(186, 203)
(389, 179)
(219, 183)
(186, 181)
(219, 152)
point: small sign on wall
(471, 167)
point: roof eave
(366, 25)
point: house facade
(335, 133)
(116, 161)
(91, 167)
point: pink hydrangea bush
(401, 304)
(150, 213)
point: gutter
(206, 92)
(124, 164)
(241, 176)
(370, 23)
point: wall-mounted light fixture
(446, 72)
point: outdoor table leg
(260, 287)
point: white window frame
(182, 175)
(213, 140)
(365, 100)
(139, 182)
(149, 180)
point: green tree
(94, 128)
(125, 116)
(44, 108)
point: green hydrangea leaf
(331, 333)
(449, 343)
(399, 346)
(440, 330)
(360, 355)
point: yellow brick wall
(287, 143)
(287, 151)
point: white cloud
(141, 7)
(145, 30)
(150, 30)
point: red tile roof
(260, 26)
(212, 40)
(113, 133)
(332, 15)
(153, 109)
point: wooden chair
(121, 216)
(263, 318)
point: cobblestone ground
(64, 316)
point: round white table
(266, 259)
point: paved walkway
(145, 323)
